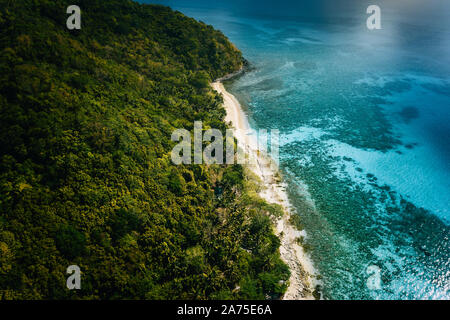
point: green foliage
(70, 242)
(233, 176)
(122, 223)
(85, 172)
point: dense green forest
(86, 176)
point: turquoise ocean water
(364, 120)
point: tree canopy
(86, 176)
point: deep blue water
(364, 120)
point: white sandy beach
(303, 274)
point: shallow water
(364, 120)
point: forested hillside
(86, 176)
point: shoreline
(303, 279)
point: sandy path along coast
(303, 274)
